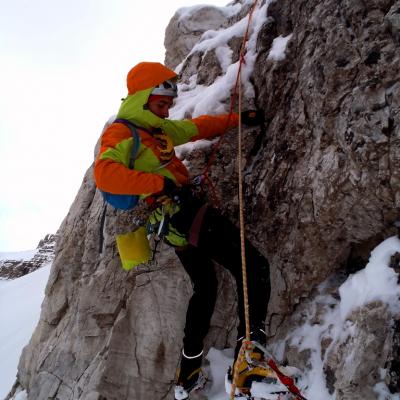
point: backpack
(125, 201)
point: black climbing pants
(219, 240)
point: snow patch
(224, 56)
(383, 392)
(212, 39)
(21, 396)
(325, 318)
(228, 11)
(194, 100)
(220, 361)
(375, 282)
(278, 48)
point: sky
(63, 69)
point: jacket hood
(146, 75)
(141, 80)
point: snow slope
(18, 256)
(20, 301)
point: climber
(198, 233)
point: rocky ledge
(15, 267)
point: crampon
(259, 378)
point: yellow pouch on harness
(133, 248)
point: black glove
(253, 117)
(179, 194)
(170, 187)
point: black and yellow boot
(190, 376)
(250, 363)
(253, 364)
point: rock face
(184, 31)
(322, 189)
(326, 170)
(12, 269)
(105, 333)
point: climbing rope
(247, 345)
(238, 88)
(241, 220)
(234, 96)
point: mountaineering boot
(251, 366)
(258, 336)
(190, 376)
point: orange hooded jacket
(111, 170)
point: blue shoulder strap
(136, 140)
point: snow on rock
(342, 339)
(195, 99)
(192, 13)
(213, 98)
(377, 282)
(220, 361)
(21, 396)
(188, 24)
(277, 51)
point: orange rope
(234, 96)
(246, 343)
(238, 88)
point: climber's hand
(253, 117)
(179, 194)
(167, 193)
(170, 187)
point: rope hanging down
(246, 344)
(238, 88)
(234, 97)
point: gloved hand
(170, 187)
(252, 117)
(177, 193)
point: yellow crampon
(247, 373)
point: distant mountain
(15, 265)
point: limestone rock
(106, 333)
(185, 29)
(355, 355)
(325, 170)
(357, 362)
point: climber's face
(160, 105)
